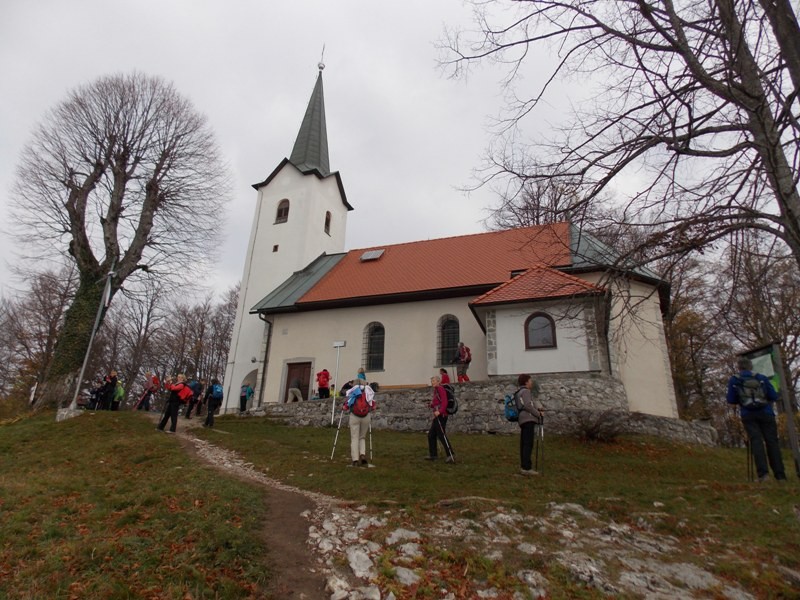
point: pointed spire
(311, 146)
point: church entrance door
(301, 371)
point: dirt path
(294, 570)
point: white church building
(535, 300)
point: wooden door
(301, 371)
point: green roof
(284, 297)
(310, 150)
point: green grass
(102, 506)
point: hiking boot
(354, 463)
(528, 472)
(364, 461)
(450, 459)
(763, 478)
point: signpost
(338, 345)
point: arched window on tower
(448, 335)
(328, 222)
(374, 338)
(540, 331)
(283, 211)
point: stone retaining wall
(572, 404)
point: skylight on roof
(372, 255)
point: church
(536, 300)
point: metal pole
(106, 298)
(335, 384)
(788, 409)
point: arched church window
(328, 222)
(283, 211)
(448, 336)
(374, 338)
(540, 331)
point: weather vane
(321, 64)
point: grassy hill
(103, 506)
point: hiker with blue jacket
(754, 394)
(530, 415)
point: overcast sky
(402, 135)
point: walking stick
(336, 439)
(446, 441)
(370, 440)
(539, 445)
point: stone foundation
(572, 403)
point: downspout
(266, 359)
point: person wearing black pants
(530, 414)
(438, 430)
(173, 403)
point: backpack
(452, 402)
(511, 407)
(360, 406)
(216, 391)
(185, 393)
(750, 392)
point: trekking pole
(749, 448)
(370, 440)
(540, 446)
(446, 441)
(336, 439)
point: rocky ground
(323, 547)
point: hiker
(360, 402)
(444, 377)
(323, 384)
(118, 397)
(361, 376)
(151, 385)
(462, 359)
(108, 390)
(176, 391)
(294, 394)
(197, 389)
(213, 401)
(244, 396)
(438, 429)
(531, 412)
(758, 420)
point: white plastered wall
(409, 351)
(638, 347)
(571, 351)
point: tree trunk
(58, 388)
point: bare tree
(123, 177)
(700, 100)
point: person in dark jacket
(759, 423)
(438, 428)
(108, 390)
(530, 415)
(213, 400)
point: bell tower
(300, 213)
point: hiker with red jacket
(179, 393)
(438, 427)
(323, 384)
(462, 359)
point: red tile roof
(537, 283)
(446, 263)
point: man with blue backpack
(755, 395)
(213, 400)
